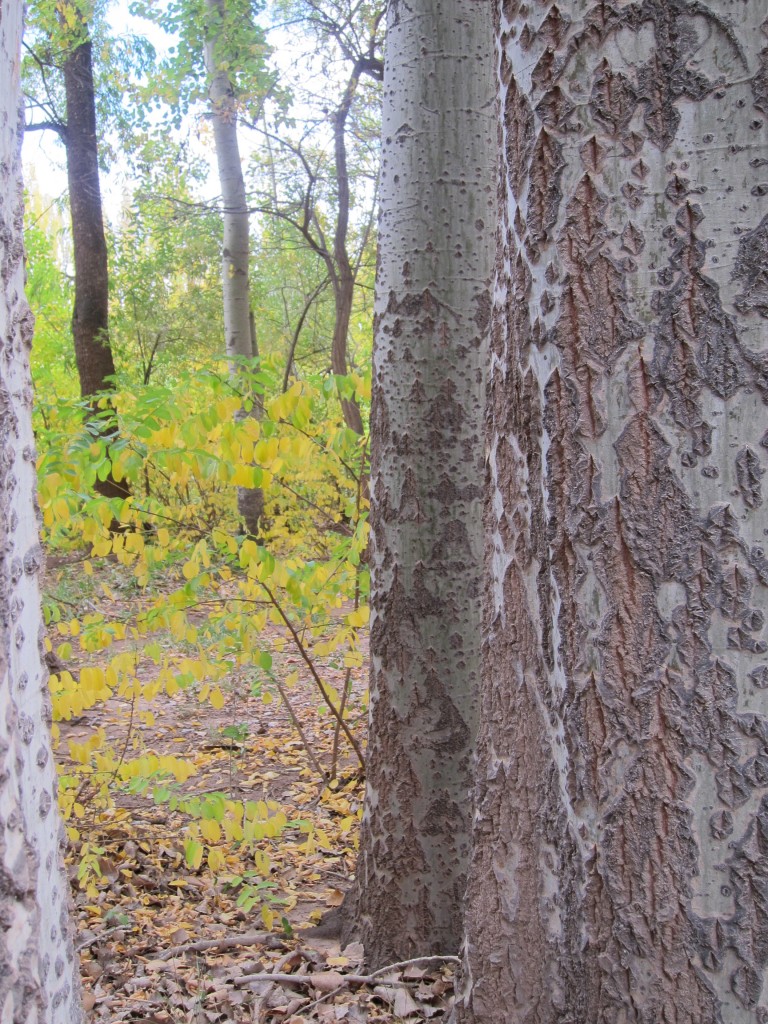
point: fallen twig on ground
(230, 942)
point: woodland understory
(498, 449)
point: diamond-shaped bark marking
(632, 239)
(519, 124)
(594, 323)
(760, 84)
(749, 475)
(544, 195)
(554, 28)
(613, 99)
(555, 108)
(751, 270)
(585, 229)
(592, 156)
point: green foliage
(50, 292)
(121, 61)
(180, 81)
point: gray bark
(620, 866)
(39, 981)
(240, 338)
(438, 216)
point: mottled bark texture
(433, 301)
(90, 316)
(38, 969)
(238, 330)
(620, 871)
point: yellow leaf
(360, 617)
(211, 830)
(216, 860)
(268, 917)
(243, 476)
(217, 698)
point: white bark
(238, 324)
(39, 981)
(235, 253)
(433, 301)
(620, 871)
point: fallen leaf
(405, 1004)
(327, 981)
(355, 952)
(337, 961)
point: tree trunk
(438, 216)
(342, 274)
(39, 981)
(240, 338)
(620, 866)
(90, 317)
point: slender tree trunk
(620, 867)
(438, 216)
(239, 334)
(39, 981)
(343, 276)
(90, 317)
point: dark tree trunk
(343, 276)
(90, 318)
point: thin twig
(347, 979)
(230, 942)
(297, 725)
(313, 671)
(87, 943)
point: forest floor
(163, 943)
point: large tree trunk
(240, 337)
(620, 871)
(438, 216)
(90, 317)
(39, 981)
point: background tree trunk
(620, 870)
(90, 317)
(240, 337)
(340, 267)
(438, 215)
(39, 982)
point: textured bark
(90, 317)
(438, 214)
(240, 337)
(38, 969)
(620, 871)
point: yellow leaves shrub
(204, 592)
